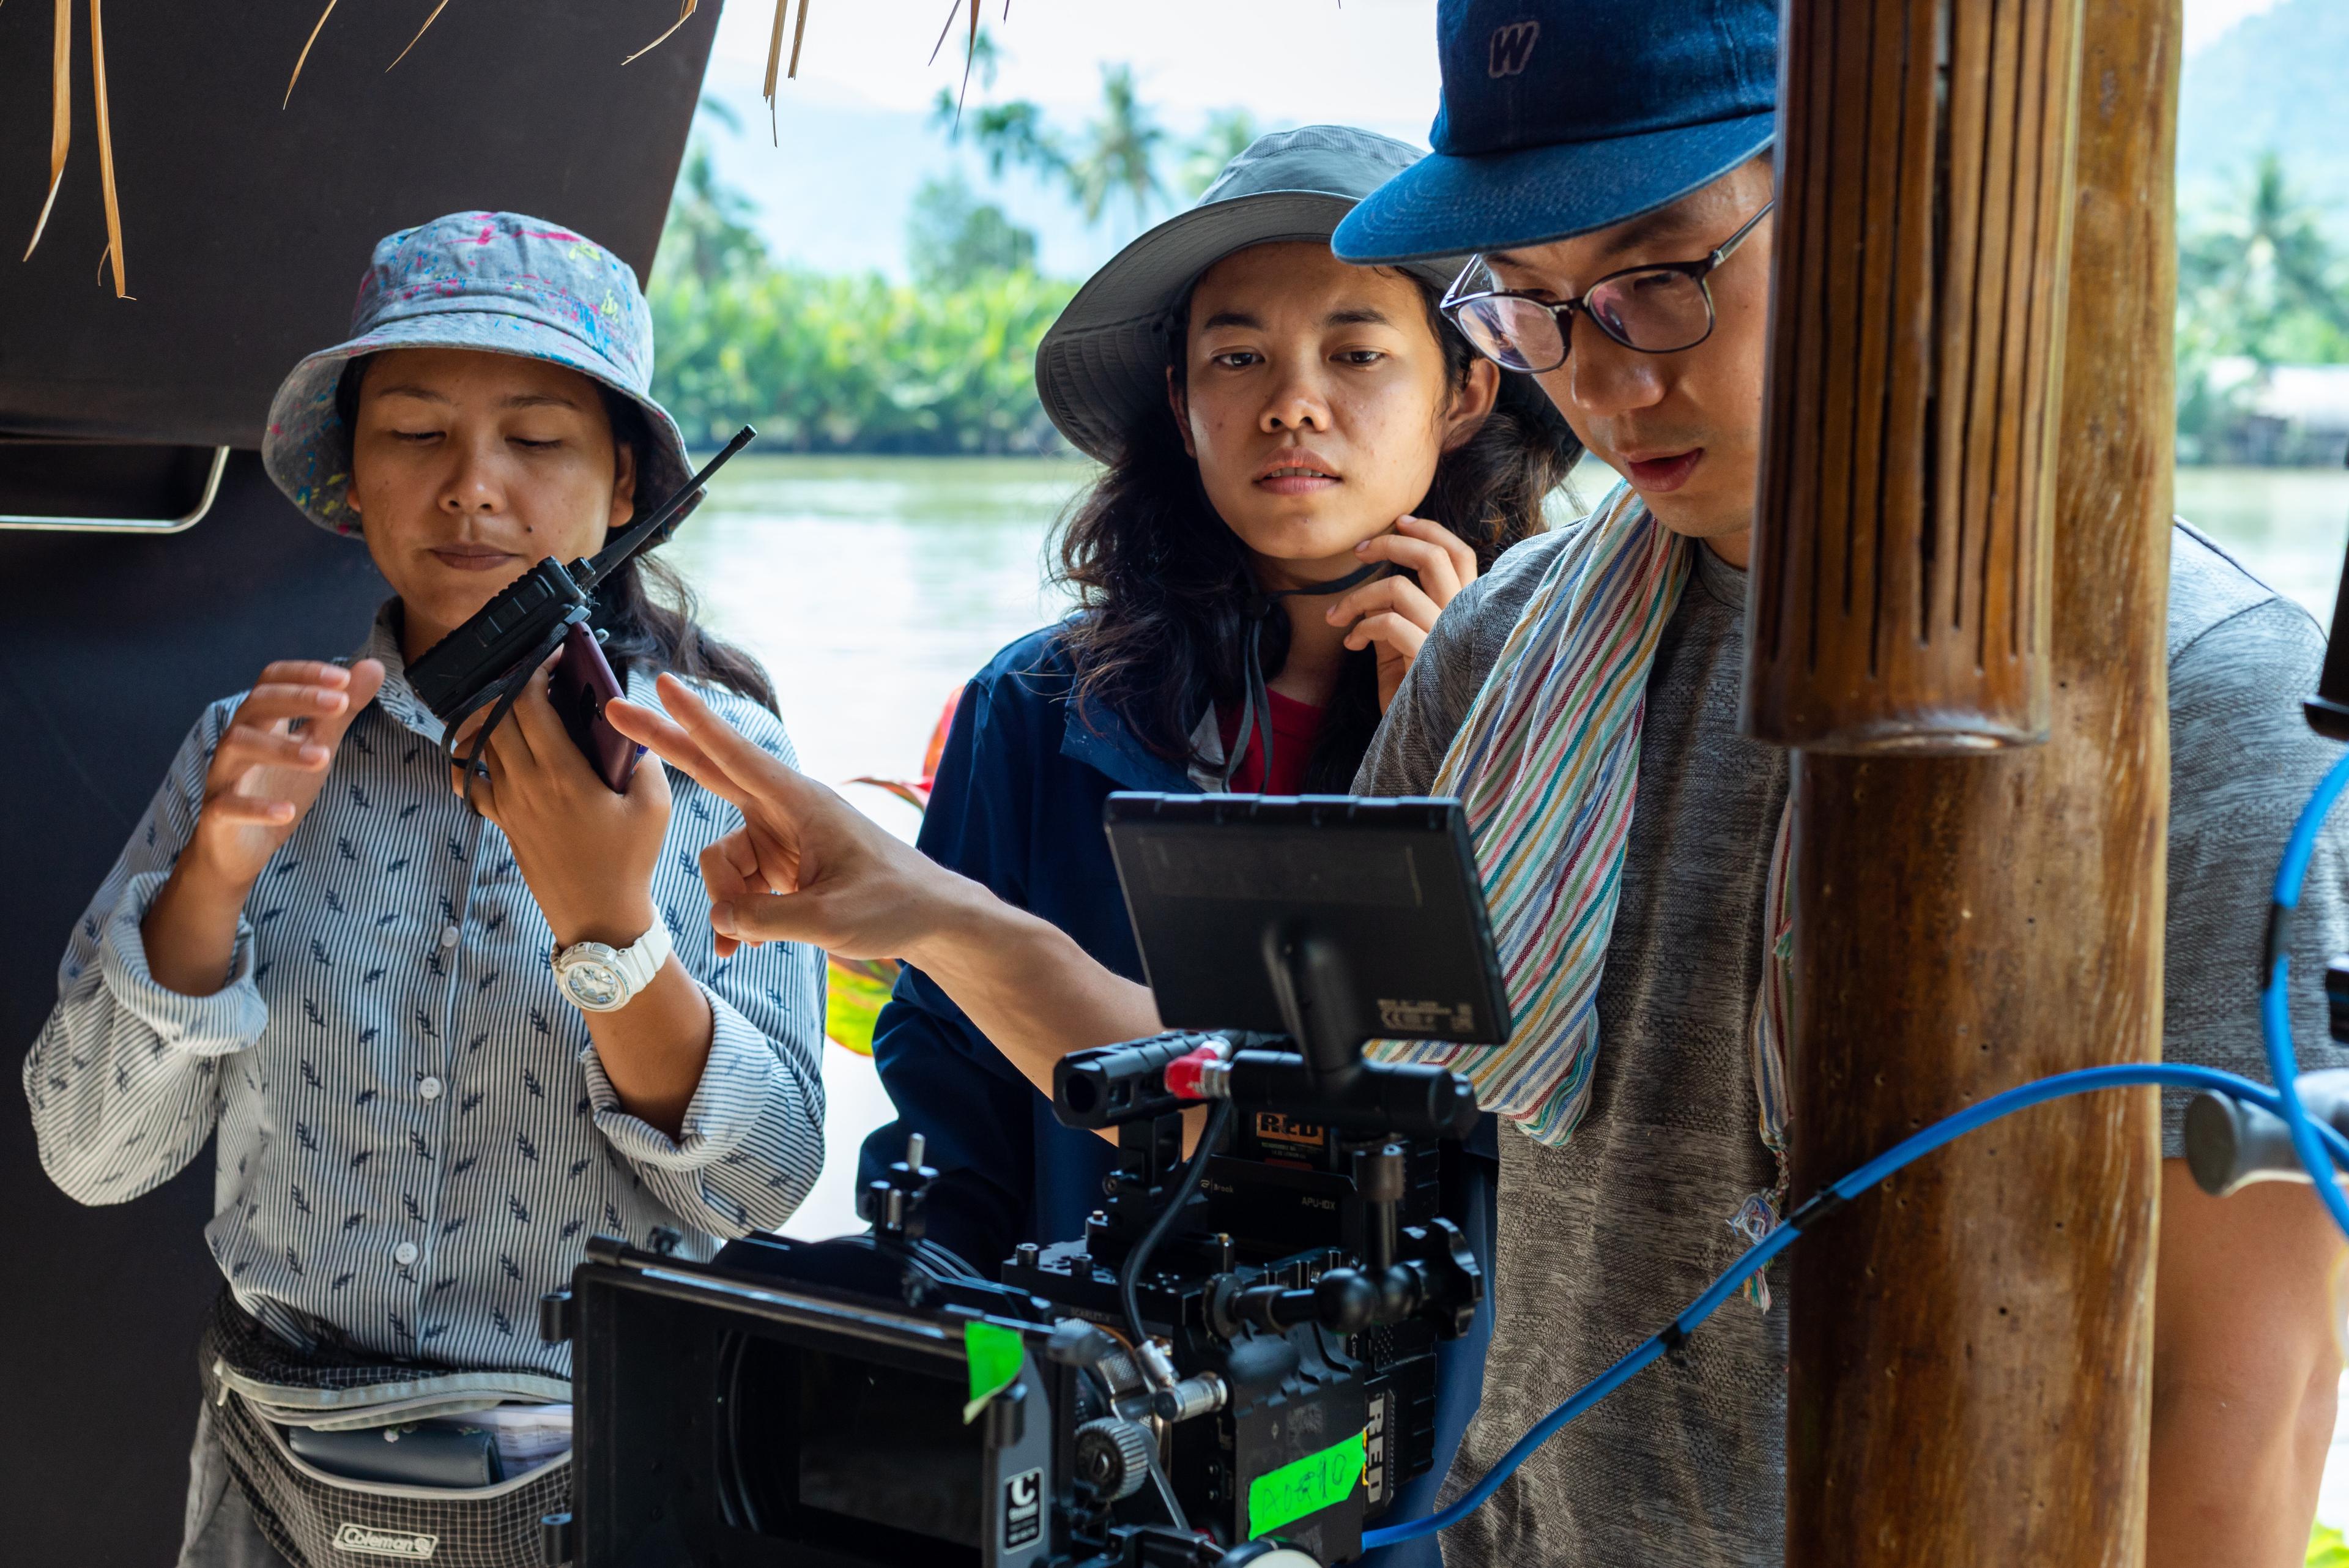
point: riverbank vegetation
(849, 363)
(2261, 286)
(943, 363)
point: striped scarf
(1547, 766)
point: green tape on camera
(995, 1357)
(1304, 1486)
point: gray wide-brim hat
(1101, 368)
(498, 282)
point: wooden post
(1972, 1342)
(1900, 578)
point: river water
(872, 588)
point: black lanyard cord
(1256, 709)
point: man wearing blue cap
(1605, 164)
(1605, 161)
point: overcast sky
(1366, 61)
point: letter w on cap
(1513, 46)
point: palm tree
(708, 231)
(1225, 137)
(1012, 132)
(1115, 159)
(2257, 278)
(1120, 156)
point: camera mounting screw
(891, 1203)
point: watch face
(592, 983)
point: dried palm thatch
(61, 134)
(685, 14)
(970, 47)
(775, 55)
(61, 93)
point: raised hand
(805, 866)
(269, 767)
(808, 866)
(265, 776)
(1394, 614)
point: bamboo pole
(1970, 1344)
(1900, 582)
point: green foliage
(2261, 276)
(827, 363)
(1119, 155)
(2259, 283)
(952, 236)
(841, 363)
(2272, 81)
(2327, 1549)
(709, 234)
(1115, 160)
(1114, 157)
(855, 991)
(1225, 136)
(1007, 134)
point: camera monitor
(1331, 919)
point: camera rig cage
(1235, 1364)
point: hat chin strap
(1255, 701)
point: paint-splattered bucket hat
(497, 282)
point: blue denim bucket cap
(1560, 117)
(498, 282)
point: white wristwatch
(595, 978)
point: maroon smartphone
(582, 683)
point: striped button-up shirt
(415, 1136)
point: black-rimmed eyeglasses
(1660, 308)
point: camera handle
(1436, 1280)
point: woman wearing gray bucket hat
(317, 954)
(1303, 464)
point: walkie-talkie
(486, 662)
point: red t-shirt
(1294, 726)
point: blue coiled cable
(2319, 1148)
(2275, 1009)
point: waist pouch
(257, 1385)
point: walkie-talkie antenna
(664, 517)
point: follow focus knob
(1113, 1456)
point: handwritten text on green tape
(1304, 1486)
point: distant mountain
(2281, 80)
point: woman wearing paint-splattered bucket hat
(498, 282)
(314, 957)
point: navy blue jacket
(1017, 805)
